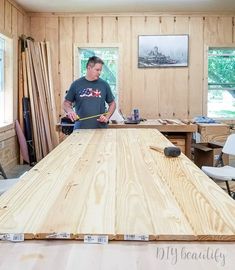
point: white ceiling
(127, 5)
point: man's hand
(103, 118)
(72, 115)
(68, 108)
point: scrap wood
(163, 122)
(186, 121)
(173, 121)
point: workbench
(171, 130)
(108, 183)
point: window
(110, 68)
(6, 80)
(221, 82)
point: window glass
(110, 67)
(221, 82)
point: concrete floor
(17, 171)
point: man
(89, 95)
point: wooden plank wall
(163, 92)
(13, 22)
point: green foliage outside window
(221, 82)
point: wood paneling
(196, 68)
(166, 93)
(8, 17)
(95, 28)
(125, 87)
(159, 92)
(151, 76)
(38, 28)
(65, 54)
(2, 18)
(109, 29)
(12, 25)
(80, 26)
(52, 35)
(137, 74)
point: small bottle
(136, 114)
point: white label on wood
(61, 235)
(133, 237)
(96, 239)
(13, 237)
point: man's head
(94, 67)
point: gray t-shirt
(89, 98)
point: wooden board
(151, 75)
(124, 37)
(195, 84)
(109, 182)
(8, 17)
(94, 29)
(119, 256)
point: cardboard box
(206, 154)
(213, 132)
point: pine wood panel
(14, 22)
(151, 76)
(125, 87)
(65, 55)
(225, 28)
(196, 59)
(233, 39)
(109, 29)
(52, 35)
(110, 182)
(137, 83)
(20, 23)
(217, 30)
(2, 14)
(38, 28)
(26, 25)
(80, 30)
(94, 29)
(141, 194)
(7, 16)
(120, 255)
(180, 88)
(166, 93)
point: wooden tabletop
(109, 182)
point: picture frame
(156, 51)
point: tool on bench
(171, 151)
(67, 124)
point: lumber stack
(36, 87)
(109, 182)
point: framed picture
(163, 51)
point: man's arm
(68, 108)
(111, 109)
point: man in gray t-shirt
(89, 95)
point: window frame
(7, 118)
(76, 65)
(206, 75)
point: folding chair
(221, 172)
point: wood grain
(110, 182)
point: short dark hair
(94, 60)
